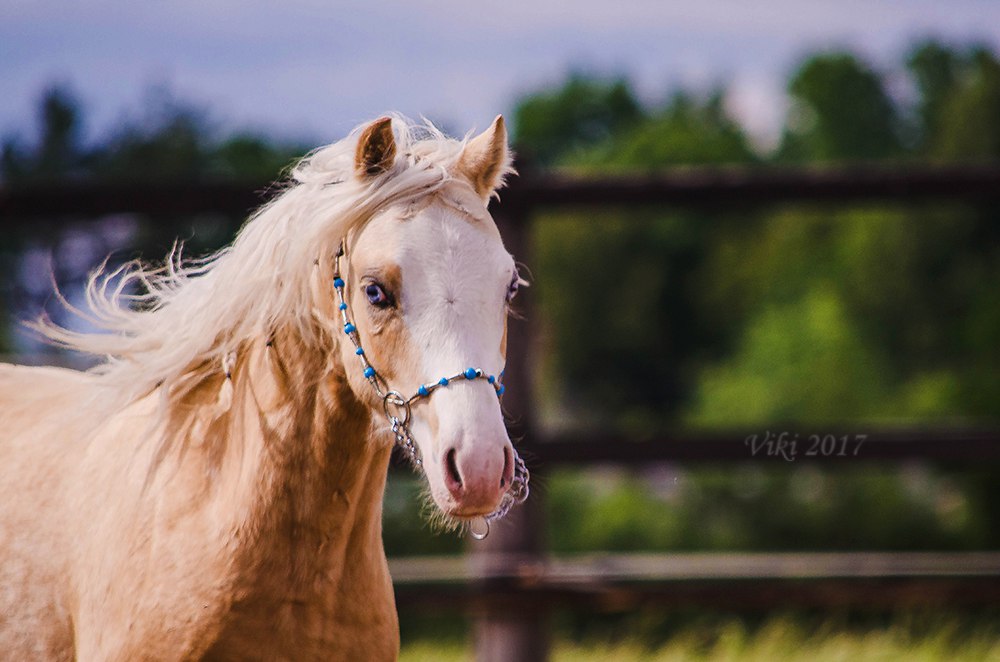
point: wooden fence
(508, 580)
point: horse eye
(376, 295)
(512, 288)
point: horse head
(424, 290)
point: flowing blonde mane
(198, 312)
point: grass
(778, 639)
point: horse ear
(486, 159)
(376, 149)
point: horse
(213, 488)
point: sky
(310, 70)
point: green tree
(58, 152)
(959, 108)
(170, 141)
(630, 278)
(583, 112)
(840, 111)
(685, 132)
(177, 141)
(935, 72)
(969, 128)
(250, 157)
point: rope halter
(398, 408)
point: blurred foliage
(763, 507)
(803, 313)
(168, 141)
(686, 131)
(624, 337)
(642, 265)
(58, 153)
(407, 528)
(584, 112)
(959, 102)
(852, 315)
(840, 111)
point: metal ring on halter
(396, 399)
(480, 535)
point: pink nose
(477, 478)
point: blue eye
(376, 295)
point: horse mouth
(469, 513)
(453, 508)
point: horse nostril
(508, 469)
(452, 468)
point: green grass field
(779, 639)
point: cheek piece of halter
(397, 409)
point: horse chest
(308, 600)
(337, 625)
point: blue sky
(313, 69)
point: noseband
(397, 408)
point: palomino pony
(213, 490)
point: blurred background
(724, 321)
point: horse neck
(294, 453)
(326, 458)
(285, 496)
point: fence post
(505, 630)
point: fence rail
(620, 582)
(737, 187)
(715, 187)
